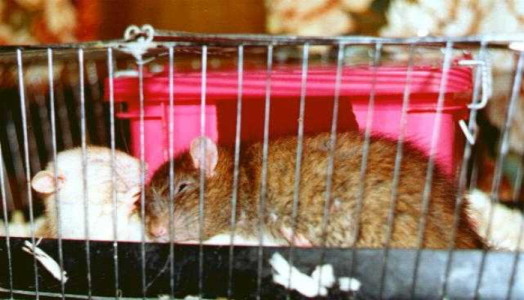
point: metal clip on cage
(483, 62)
(138, 41)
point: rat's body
(343, 212)
(68, 190)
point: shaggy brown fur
(345, 227)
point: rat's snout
(157, 230)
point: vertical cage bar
(331, 154)
(503, 151)
(518, 182)
(236, 163)
(16, 157)
(78, 102)
(43, 116)
(473, 178)
(396, 171)
(98, 108)
(365, 150)
(263, 172)
(516, 258)
(171, 141)
(9, 197)
(21, 87)
(111, 76)
(85, 188)
(299, 151)
(202, 187)
(141, 98)
(33, 148)
(462, 181)
(50, 67)
(63, 117)
(431, 160)
(6, 223)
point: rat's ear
(44, 182)
(209, 161)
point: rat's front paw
(295, 238)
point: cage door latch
(487, 91)
(487, 81)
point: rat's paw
(133, 194)
(295, 238)
(127, 201)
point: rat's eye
(182, 186)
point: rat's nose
(158, 230)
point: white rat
(506, 224)
(68, 191)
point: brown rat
(378, 181)
(69, 187)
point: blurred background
(51, 21)
(44, 21)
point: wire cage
(152, 94)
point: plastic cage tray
(364, 265)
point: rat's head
(179, 200)
(64, 179)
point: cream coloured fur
(69, 193)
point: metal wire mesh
(72, 109)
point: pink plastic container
(356, 86)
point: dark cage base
(207, 275)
